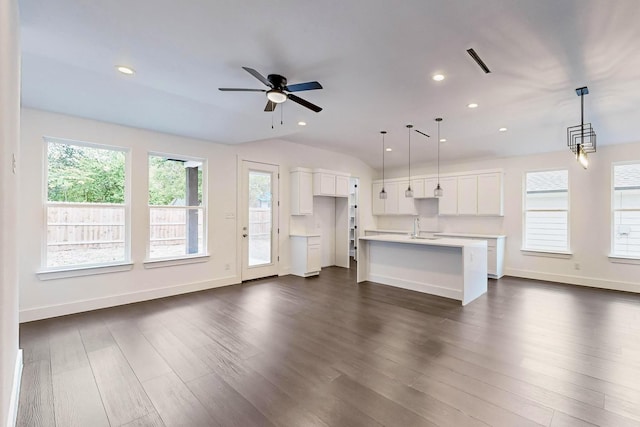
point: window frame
(186, 258)
(546, 252)
(47, 273)
(613, 256)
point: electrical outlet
(576, 266)
(227, 267)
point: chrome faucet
(416, 227)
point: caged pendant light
(581, 139)
(437, 192)
(383, 193)
(409, 192)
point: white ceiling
(375, 59)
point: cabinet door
(490, 194)
(406, 205)
(342, 186)
(417, 185)
(324, 184)
(430, 185)
(391, 206)
(468, 195)
(313, 258)
(377, 204)
(448, 203)
(301, 193)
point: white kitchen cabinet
(417, 185)
(495, 250)
(430, 185)
(468, 195)
(342, 186)
(306, 255)
(395, 203)
(490, 194)
(391, 205)
(448, 203)
(377, 204)
(301, 191)
(406, 205)
(330, 183)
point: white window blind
(626, 210)
(546, 212)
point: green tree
(85, 174)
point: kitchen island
(451, 268)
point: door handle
(244, 235)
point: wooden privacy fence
(103, 226)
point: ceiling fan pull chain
(281, 115)
(272, 113)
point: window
(626, 210)
(86, 205)
(176, 212)
(546, 211)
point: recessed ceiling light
(125, 70)
(443, 139)
(472, 105)
(301, 123)
(438, 77)
(502, 129)
(389, 149)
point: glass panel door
(260, 220)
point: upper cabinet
(468, 193)
(448, 203)
(330, 183)
(301, 191)
(490, 194)
(395, 203)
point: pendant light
(581, 139)
(383, 193)
(409, 192)
(437, 192)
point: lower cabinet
(495, 251)
(305, 255)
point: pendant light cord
(383, 132)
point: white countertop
(304, 235)
(473, 236)
(379, 230)
(441, 241)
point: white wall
(9, 142)
(590, 217)
(40, 299)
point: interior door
(259, 225)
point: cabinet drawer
(314, 240)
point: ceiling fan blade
(303, 86)
(258, 76)
(304, 103)
(270, 106)
(232, 89)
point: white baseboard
(575, 280)
(45, 312)
(15, 391)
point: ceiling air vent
(478, 60)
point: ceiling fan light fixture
(277, 96)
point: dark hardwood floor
(324, 351)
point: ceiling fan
(279, 88)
